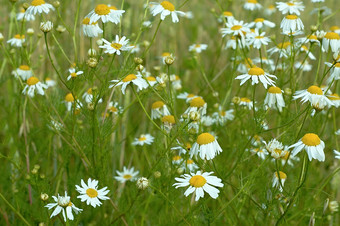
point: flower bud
(1, 37)
(90, 106)
(91, 53)
(180, 170)
(46, 26)
(333, 206)
(30, 31)
(138, 60)
(25, 5)
(236, 100)
(43, 196)
(92, 62)
(194, 116)
(61, 29)
(157, 174)
(142, 183)
(56, 4)
(34, 171)
(139, 67)
(313, 28)
(99, 42)
(169, 60)
(288, 91)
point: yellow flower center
(337, 65)
(19, 36)
(24, 67)
(236, 27)
(245, 99)
(332, 35)
(315, 90)
(222, 113)
(291, 17)
(190, 95)
(188, 146)
(22, 10)
(227, 13)
(334, 96)
(290, 3)
(313, 37)
(127, 176)
(256, 71)
(282, 175)
(73, 75)
(151, 79)
(69, 97)
(92, 193)
(274, 89)
(334, 28)
(37, 2)
(283, 45)
(157, 104)
(32, 81)
(169, 119)
(116, 46)
(86, 20)
(259, 37)
(197, 102)
(189, 161)
(311, 139)
(113, 8)
(197, 181)
(176, 158)
(205, 138)
(113, 109)
(165, 54)
(168, 5)
(129, 78)
(142, 138)
(89, 91)
(258, 20)
(252, 1)
(102, 9)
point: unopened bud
(236, 100)
(288, 91)
(90, 106)
(46, 26)
(194, 116)
(180, 170)
(142, 183)
(139, 67)
(313, 28)
(138, 60)
(44, 196)
(146, 43)
(56, 4)
(91, 52)
(92, 62)
(61, 29)
(34, 171)
(99, 42)
(157, 174)
(1, 37)
(216, 105)
(30, 31)
(169, 60)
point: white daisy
(158, 110)
(73, 73)
(257, 39)
(305, 66)
(165, 55)
(260, 152)
(252, 5)
(287, 154)
(197, 104)
(277, 178)
(115, 108)
(38, 6)
(91, 30)
(176, 82)
(206, 146)
(131, 78)
(151, 80)
(270, 10)
(228, 15)
(198, 48)
(199, 183)
(64, 205)
(291, 23)
(50, 82)
(335, 29)
(168, 122)
(186, 96)
(331, 40)
(190, 165)
(257, 74)
(69, 101)
(334, 73)
(120, 44)
(275, 148)
(23, 16)
(244, 101)
(207, 120)
(105, 13)
(261, 22)
(291, 7)
(236, 28)
(143, 139)
(306, 50)
(126, 175)
(88, 96)
(24, 71)
(17, 40)
(33, 84)
(282, 48)
(89, 192)
(223, 116)
(312, 144)
(116, 14)
(166, 8)
(274, 98)
(315, 96)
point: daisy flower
(310, 39)
(88, 96)
(17, 40)
(69, 101)
(274, 98)
(120, 44)
(73, 73)
(252, 5)
(91, 30)
(233, 42)
(236, 28)
(159, 109)
(91, 194)
(257, 39)
(105, 13)
(206, 146)
(190, 165)
(63, 205)
(282, 48)
(151, 80)
(312, 144)
(187, 96)
(223, 116)
(261, 22)
(314, 95)
(50, 82)
(260, 152)
(228, 15)
(270, 10)
(115, 108)
(143, 139)
(116, 14)
(38, 6)
(198, 48)
(335, 29)
(291, 23)
(176, 82)
(275, 148)
(305, 66)
(285, 158)
(306, 50)
(24, 71)
(207, 120)
(23, 16)
(168, 122)
(257, 74)
(331, 40)
(337, 154)
(197, 104)
(335, 99)
(166, 8)
(199, 183)
(131, 78)
(291, 7)
(126, 175)
(277, 178)
(244, 101)
(33, 84)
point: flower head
(312, 144)
(90, 193)
(206, 146)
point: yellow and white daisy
(244, 101)
(17, 40)
(274, 98)
(199, 183)
(334, 73)
(291, 7)
(282, 48)
(275, 148)
(115, 108)
(186, 96)
(304, 66)
(91, 30)
(63, 205)
(135, 48)
(198, 48)
(236, 28)
(91, 194)
(69, 101)
(24, 71)
(126, 175)
(206, 146)
(207, 120)
(257, 39)
(143, 139)
(312, 144)
(270, 10)
(176, 82)
(260, 152)
(291, 23)
(50, 82)
(261, 22)
(73, 73)
(116, 14)
(197, 104)
(88, 96)
(314, 95)
(38, 7)
(308, 52)
(331, 40)
(33, 84)
(23, 16)
(223, 116)
(310, 39)
(252, 5)
(335, 29)
(166, 8)
(334, 97)
(158, 110)
(190, 165)
(151, 80)
(257, 74)
(233, 42)
(228, 15)
(105, 13)
(278, 180)
(116, 46)
(131, 78)
(287, 157)
(168, 122)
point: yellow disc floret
(127, 176)
(197, 102)
(291, 17)
(129, 78)
(311, 139)
(227, 13)
(256, 71)
(170, 119)
(142, 138)
(69, 97)
(205, 138)
(282, 175)
(37, 2)
(32, 81)
(157, 104)
(332, 35)
(86, 20)
(236, 27)
(259, 20)
(274, 89)
(176, 158)
(315, 90)
(102, 9)
(92, 193)
(197, 181)
(24, 67)
(168, 6)
(116, 46)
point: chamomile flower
(257, 74)
(165, 55)
(278, 180)
(275, 148)
(159, 109)
(166, 8)
(270, 10)
(114, 108)
(23, 71)
(223, 116)
(288, 158)
(261, 22)
(236, 28)
(198, 48)
(291, 23)
(252, 5)
(312, 144)
(105, 13)
(73, 73)
(33, 84)
(69, 101)
(151, 80)
(257, 39)
(23, 16)
(260, 152)
(187, 96)
(116, 14)
(126, 175)
(314, 95)
(190, 165)
(291, 7)
(177, 159)
(63, 205)
(116, 46)
(335, 99)
(91, 194)
(91, 30)
(244, 101)
(308, 52)
(274, 98)
(168, 122)
(17, 40)
(335, 29)
(143, 139)
(282, 48)
(228, 15)
(199, 183)
(331, 40)
(38, 7)
(197, 104)
(305, 66)
(135, 79)
(310, 39)
(206, 146)
(233, 42)
(88, 96)
(50, 82)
